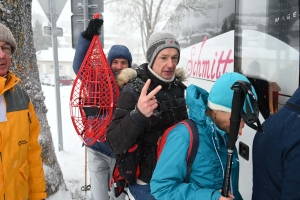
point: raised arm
(130, 117)
(81, 49)
(84, 41)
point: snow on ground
(72, 158)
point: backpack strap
(193, 147)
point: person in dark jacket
(152, 100)
(276, 154)
(101, 160)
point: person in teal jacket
(211, 112)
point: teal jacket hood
(209, 166)
(196, 100)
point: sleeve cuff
(41, 195)
(86, 36)
(138, 118)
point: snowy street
(72, 158)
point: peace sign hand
(147, 103)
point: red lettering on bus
(203, 68)
(212, 68)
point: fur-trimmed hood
(128, 74)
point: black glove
(94, 28)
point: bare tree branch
(140, 14)
(145, 15)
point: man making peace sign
(152, 100)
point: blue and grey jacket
(208, 169)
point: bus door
(267, 52)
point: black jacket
(276, 154)
(130, 125)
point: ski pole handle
(235, 119)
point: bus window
(267, 52)
(193, 21)
(226, 16)
(284, 26)
(205, 31)
(268, 33)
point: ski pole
(85, 168)
(235, 120)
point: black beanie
(119, 51)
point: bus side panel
(258, 38)
(206, 61)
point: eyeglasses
(6, 49)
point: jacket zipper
(29, 118)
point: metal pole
(85, 14)
(85, 24)
(56, 73)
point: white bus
(258, 38)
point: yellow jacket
(21, 169)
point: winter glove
(94, 28)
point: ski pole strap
(194, 145)
(251, 115)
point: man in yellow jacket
(21, 169)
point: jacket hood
(128, 74)
(196, 100)
(295, 98)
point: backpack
(130, 159)
(193, 147)
(126, 170)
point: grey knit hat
(7, 36)
(159, 41)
